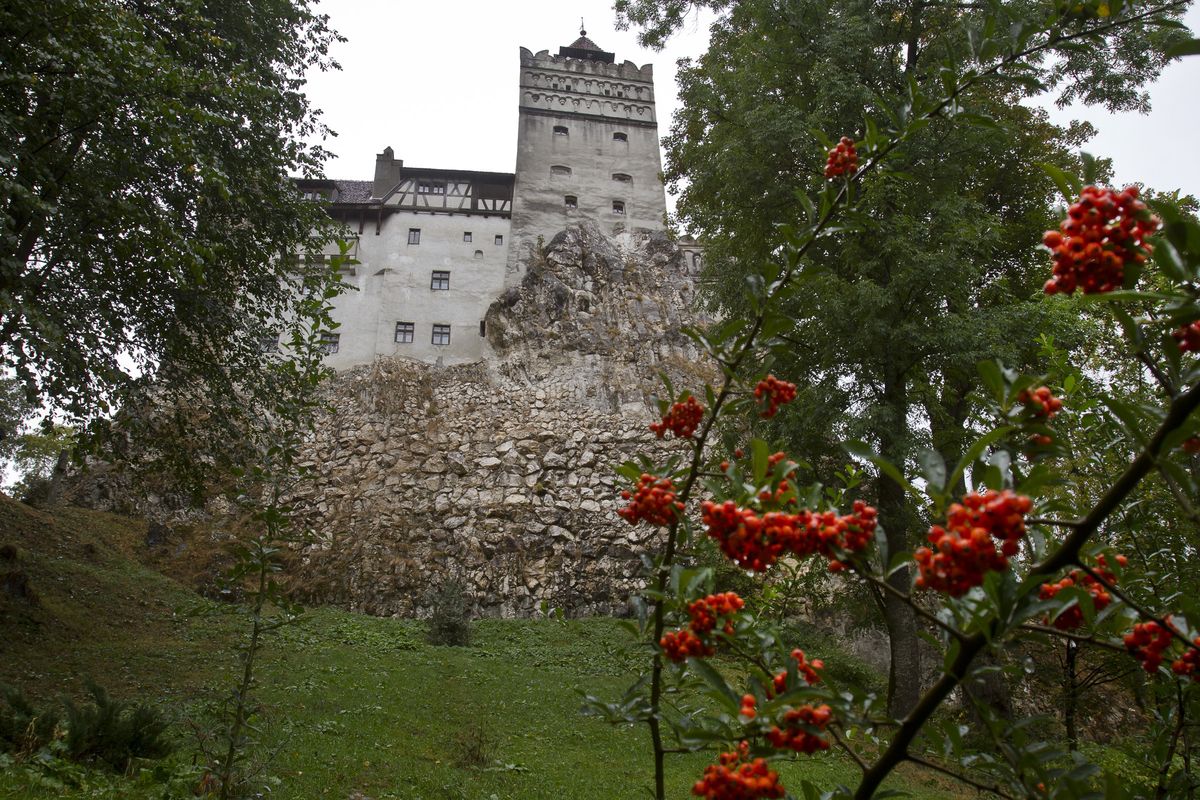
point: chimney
(387, 173)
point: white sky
(437, 81)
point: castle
(498, 357)
(436, 247)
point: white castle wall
(392, 284)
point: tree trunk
(904, 672)
(1071, 694)
(54, 493)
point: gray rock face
(500, 473)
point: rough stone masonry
(499, 474)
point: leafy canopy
(146, 205)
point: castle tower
(587, 146)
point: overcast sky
(437, 81)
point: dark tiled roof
(354, 191)
(584, 43)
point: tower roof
(586, 49)
(584, 43)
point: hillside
(354, 704)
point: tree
(147, 216)
(1020, 545)
(943, 269)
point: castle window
(329, 342)
(466, 236)
(561, 130)
(440, 280)
(404, 332)
(479, 254)
(431, 187)
(571, 201)
(441, 334)
(559, 169)
(618, 207)
(620, 137)
(696, 261)
(483, 327)
(622, 177)
(414, 235)
(499, 239)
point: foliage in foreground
(1029, 539)
(147, 216)
(103, 731)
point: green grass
(351, 703)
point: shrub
(15, 583)
(113, 732)
(23, 728)
(473, 747)
(450, 623)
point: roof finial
(582, 32)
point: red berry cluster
(682, 419)
(1073, 617)
(652, 501)
(735, 777)
(804, 668)
(776, 392)
(1147, 642)
(1188, 337)
(705, 613)
(1040, 402)
(795, 735)
(682, 645)
(748, 710)
(1104, 230)
(1191, 445)
(964, 549)
(1189, 662)
(755, 542)
(843, 159)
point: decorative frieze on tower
(587, 146)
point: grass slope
(353, 704)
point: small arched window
(621, 177)
(618, 207)
(571, 201)
(561, 130)
(479, 254)
(620, 137)
(559, 169)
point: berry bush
(1019, 547)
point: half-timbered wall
(449, 193)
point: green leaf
(976, 450)
(760, 453)
(666, 379)
(933, 467)
(716, 681)
(993, 378)
(1069, 185)
(1191, 47)
(863, 450)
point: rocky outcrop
(499, 474)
